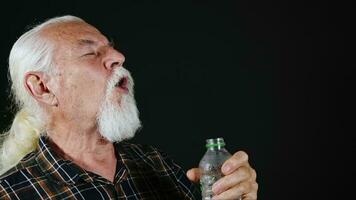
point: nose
(113, 59)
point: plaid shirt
(142, 172)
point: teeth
(120, 82)
(117, 84)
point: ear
(36, 85)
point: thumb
(193, 174)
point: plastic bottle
(210, 165)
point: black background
(268, 76)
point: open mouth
(122, 84)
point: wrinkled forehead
(68, 37)
(71, 32)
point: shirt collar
(54, 166)
(65, 171)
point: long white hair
(31, 52)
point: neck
(85, 147)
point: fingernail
(226, 168)
(189, 173)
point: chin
(119, 122)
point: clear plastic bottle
(210, 165)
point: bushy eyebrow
(87, 42)
(111, 42)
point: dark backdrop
(268, 76)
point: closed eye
(89, 54)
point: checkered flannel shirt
(142, 172)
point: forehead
(72, 34)
(68, 40)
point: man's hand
(239, 179)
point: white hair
(31, 52)
(118, 122)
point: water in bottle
(210, 165)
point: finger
(239, 159)
(226, 182)
(235, 192)
(255, 187)
(252, 195)
(193, 174)
(253, 176)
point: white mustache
(117, 75)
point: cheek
(90, 91)
(83, 92)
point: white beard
(118, 121)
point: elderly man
(75, 109)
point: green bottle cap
(217, 142)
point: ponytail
(33, 51)
(21, 139)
